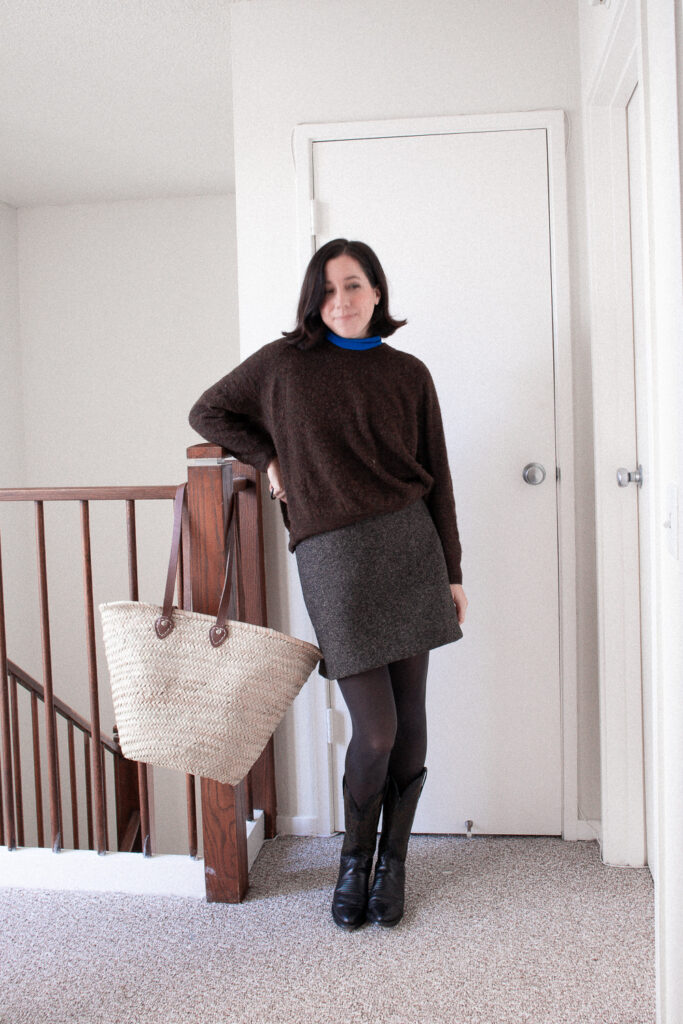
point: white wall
(12, 455)
(664, 137)
(321, 61)
(662, 31)
(11, 431)
(16, 533)
(128, 311)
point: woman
(349, 432)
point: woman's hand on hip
(459, 600)
(277, 489)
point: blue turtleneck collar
(359, 343)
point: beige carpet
(497, 931)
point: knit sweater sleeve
(440, 500)
(230, 413)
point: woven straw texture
(181, 703)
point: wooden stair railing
(225, 809)
(128, 818)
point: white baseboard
(300, 825)
(308, 825)
(588, 829)
(88, 871)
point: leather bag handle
(218, 633)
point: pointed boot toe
(387, 900)
(350, 900)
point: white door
(461, 224)
(642, 495)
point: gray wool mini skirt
(377, 591)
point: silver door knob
(534, 473)
(624, 478)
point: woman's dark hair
(309, 328)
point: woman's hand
(275, 480)
(459, 600)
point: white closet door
(461, 224)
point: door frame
(553, 122)
(623, 838)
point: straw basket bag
(195, 693)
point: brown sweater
(357, 433)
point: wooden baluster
(88, 790)
(37, 778)
(97, 773)
(127, 800)
(131, 533)
(8, 823)
(249, 797)
(191, 792)
(145, 825)
(184, 600)
(16, 751)
(59, 776)
(74, 788)
(105, 812)
(50, 720)
(9, 834)
(142, 769)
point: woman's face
(350, 299)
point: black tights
(387, 707)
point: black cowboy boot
(350, 900)
(385, 905)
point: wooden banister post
(209, 478)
